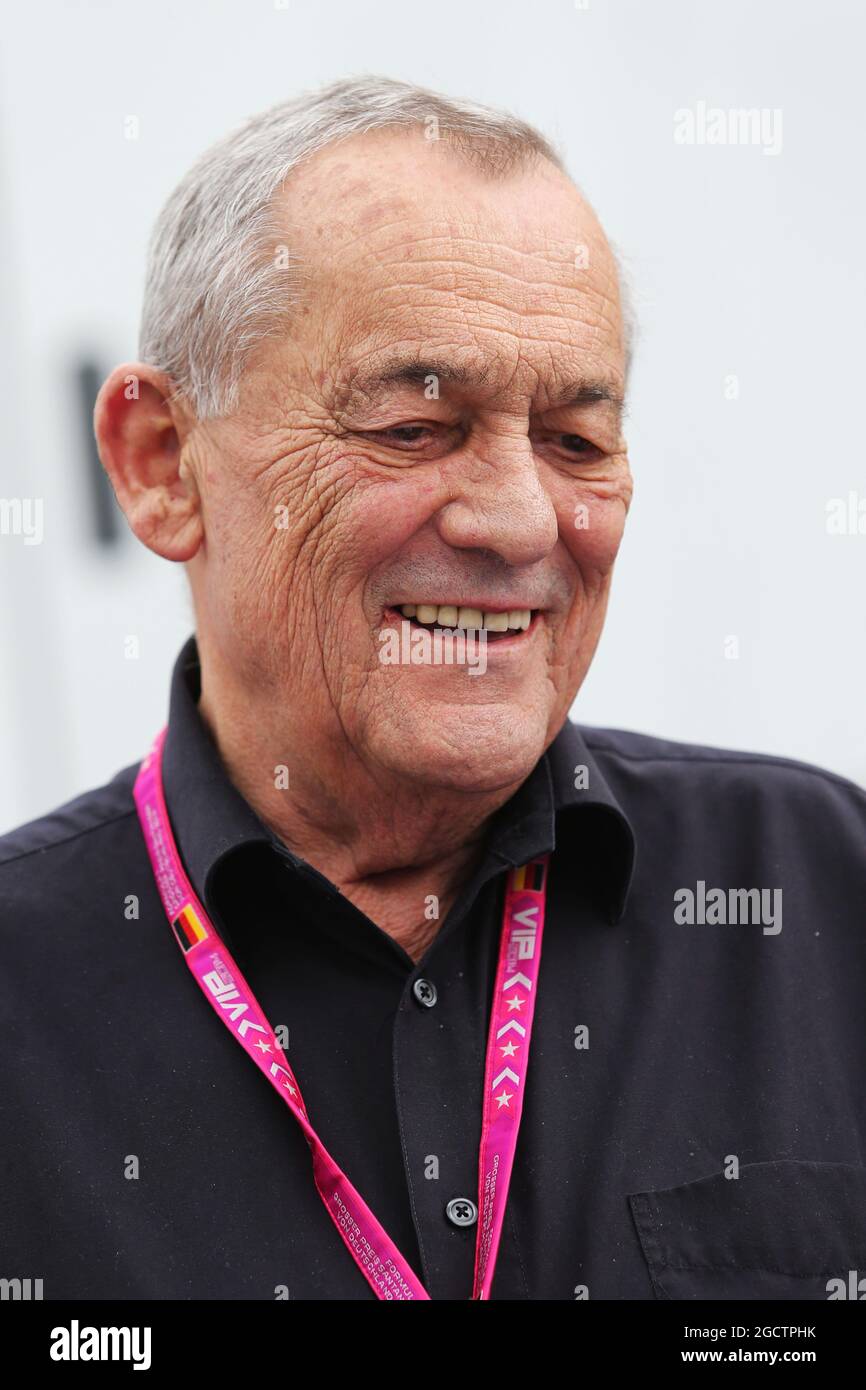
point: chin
(474, 749)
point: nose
(499, 503)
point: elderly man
(378, 978)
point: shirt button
(461, 1212)
(425, 992)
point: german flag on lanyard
(188, 928)
(530, 876)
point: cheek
(237, 536)
(376, 520)
(592, 529)
(340, 526)
(258, 520)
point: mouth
(498, 624)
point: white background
(743, 264)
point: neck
(399, 851)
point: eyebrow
(414, 371)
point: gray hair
(217, 283)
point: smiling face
(439, 430)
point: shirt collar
(566, 802)
(565, 798)
(209, 816)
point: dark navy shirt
(695, 1108)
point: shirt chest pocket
(781, 1230)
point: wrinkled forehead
(402, 243)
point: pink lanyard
(379, 1260)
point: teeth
(449, 615)
(496, 622)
